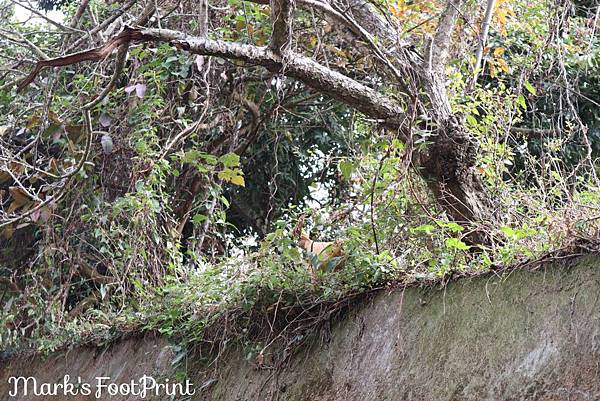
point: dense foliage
(172, 208)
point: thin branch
(186, 132)
(485, 27)
(533, 132)
(23, 41)
(97, 54)
(79, 13)
(91, 273)
(67, 177)
(109, 20)
(41, 15)
(347, 20)
(373, 188)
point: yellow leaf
(503, 65)
(234, 176)
(33, 122)
(19, 194)
(238, 180)
(498, 51)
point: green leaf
(230, 160)
(521, 102)
(509, 232)
(199, 218)
(210, 159)
(530, 88)
(457, 244)
(454, 227)
(191, 156)
(425, 228)
(225, 201)
(346, 168)
(472, 120)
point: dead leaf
(105, 120)
(4, 176)
(20, 198)
(35, 216)
(260, 360)
(8, 231)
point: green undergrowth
(250, 300)
(256, 301)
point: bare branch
(367, 25)
(49, 20)
(79, 13)
(306, 70)
(23, 41)
(66, 177)
(533, 132)
(485, 27)
(203, 19)
(91, 273)
(109, 20)
(99, 53)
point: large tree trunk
(448, 164)
(449, 168)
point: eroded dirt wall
(519, 336)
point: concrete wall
(520, 336)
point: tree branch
(485, 27)
(43, 16)
(440, 48)
(203, 19)
(329, 82)
(23, 41)
(109, 20)
(346, 19)
(281, 18)
(533, 133)
(80, 10)
(91, 273)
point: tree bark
(449, 168)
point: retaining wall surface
(521, 335)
